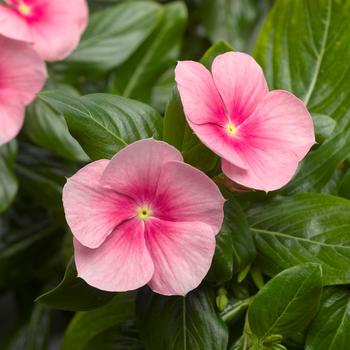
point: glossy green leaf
(324, 127)
(114, 33)
(287, 303)
(304, 228)
(103, 124)
(122, 337)
(234, 244)
(74, 294)
(344, 186)
(8, 180)
(87, 325)
(48, 129)
(180, 323)
(136, 77)
(178, 133)
(234, 21)
(304, 48)
(330, 330)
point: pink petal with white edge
(58, 26)
(199, 95)
(280, 122)
(120, 264)
(241, 84)
(93, 211)
(135, 170)
(22, 71)
(186, 194)
(181, 253)
(268, 170)
(13, 25)
(11, 120)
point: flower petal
(92, 211)
(186, 194)
(55, 27)
(11, 120)
(280, 122)
(135, 170)
(181, 254)
(22, 72)
(13, 25)
(268, 170)
(241, 84)
(200, 98)
(120, 264)
(217, 139)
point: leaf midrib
(284, 235)
(316, 72)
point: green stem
(234, 309)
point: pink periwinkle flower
(260, 135)
(53, 27)
(22, 75)
(143, 217)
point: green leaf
(319, 166)
(122, 337)
(233, 21)
(324, 126)
(49, 130)
(330, 330)
(234, 244)
(74, 294)
(178, 133)
(114, 33)
(8, 180)
(180, 323)
(344, 186)
(34, 335)
(287, 303)
(304, 48)
(304, 228)
(136, 77)
(87, 325)
(103, 124)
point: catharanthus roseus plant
(143, 217)
(183, 170)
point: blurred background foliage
(130, 49)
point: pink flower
(52, 26)
(260, 135)
(22, 75)
(143, 217)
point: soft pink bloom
(260, 135)
(22, 75)
(143, 217)
(53, 27)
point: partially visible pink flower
(261, 136)
(53, 27)
(22, 75)
(143, 217)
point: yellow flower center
(24, 9)
(144, 213)
(231, 129)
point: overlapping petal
(121, 263)
(52, 27)
(186, 194)
(135, 170)
(93, 211)
(241, 84)
(181, 254)
(22, 75)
